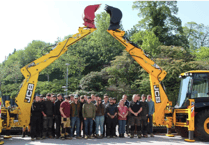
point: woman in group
(100, 111)
(122, 117)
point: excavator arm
(31, 72)
(156, 73)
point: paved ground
(158, 139)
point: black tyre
(202, 125)
(182, 131)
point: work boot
(122, 135)
(28, 133)
(92, 136)
(101, 136)
(145, 136)
(97, 136)
(62, 138)
(152, 135)
(32, 139)
(78, 137)
(44, 137)
(23, 135)
(57, 137)
(131, 136)
(139, 136)
(86, 137)
(51, 136)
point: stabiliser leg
(169, 133)
(191, 137)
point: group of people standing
(51, 116)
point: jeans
(150, 123)
(88, 124)
(122, 124)
(99, 122)
(75, 121)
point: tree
(159, 17)
(122, 74)
(147, 41)
(94, 81)
(197, 34)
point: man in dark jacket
(135, 109)
(36, 110)
(144, 114)
(111, 111)
(48, 116)
(75, 117)
(82, 101)
(57, 114)
(105, 102)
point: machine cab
(194, 85)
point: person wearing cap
(105, 102)
(116, 104)
(48, 116)
(93, 99)
(42, 117)
(75, 117)
(115, 101)
(144, 115)
(53, 99)
(36, 113)
(57, 115)
(111, 111)
(71, 98)
(89, 112)
(151, 106)
(65, 119)
(81, 101)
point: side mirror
(115, 17)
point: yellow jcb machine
(190, 116)
(20, 116)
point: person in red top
(65, 119)
(122, 117)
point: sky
(23, 21)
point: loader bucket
(89, 15)
(115, 17)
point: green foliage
(122, 74)
(159, 17)
(203, 54)
(99, 64)
(197, 35)
(94, 81)
(148, 41)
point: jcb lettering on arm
(29, 93)
(157, 94)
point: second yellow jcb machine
(190, 116)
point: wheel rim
(206, 125)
